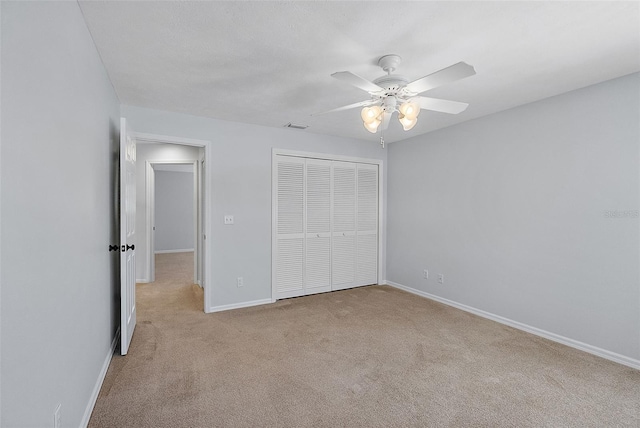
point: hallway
(173, 289)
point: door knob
(131, 247)
(113, 248)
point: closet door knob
(131, 247)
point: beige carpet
(368, 357)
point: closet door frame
(328, 157)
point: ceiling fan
(394, 93)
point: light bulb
(370, 114)
(410, 110)
(406, 122)
(372, 126)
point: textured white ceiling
(269, 62)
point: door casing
(204, 177)
(197, 215)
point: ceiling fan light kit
(372, 126)
(407, 123)
(394, 93)
(371, 118)
(408, 115)
(369, 114)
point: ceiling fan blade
(444, 106)
(386, 118)
(357, 81)
(446, 75)
(347, 107)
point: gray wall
(152, 153)
(240, 180)
(174, 211)
(514, 209)
(60, 120)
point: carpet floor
(367, 357)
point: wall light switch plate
(425, 274)
(228, 219)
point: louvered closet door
(367, 225)
(318, 212)
(344, 226)
(289, 249)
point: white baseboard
(612, 356)
(182, 250)
(220, 308)
(98, 385)
(142, 281)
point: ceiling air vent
(295, 126)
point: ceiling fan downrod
(389, 63)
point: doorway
(175, 212)
(161, 157)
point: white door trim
(326, 156)
(143, 138)
(207, 273)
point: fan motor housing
(392, 82)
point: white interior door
(367, 225)
(127, 236)
(318, 226)
(289, 250)
(343, 264)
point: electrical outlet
(228, 219)
(240, 281)
(441, 278)
(56, 417)
(425, 274)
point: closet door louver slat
(367, 241)
(318, 233)
(290, 197)
(290, 248)
(344, 226)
